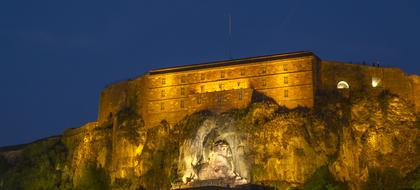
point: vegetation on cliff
(348, 141)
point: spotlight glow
(375, 82)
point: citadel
(291, 80)
(283, 121)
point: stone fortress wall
(415, 92)
(121, 95)
(371, 79)
(174, 93)
(292, 79)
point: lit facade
(291, 80)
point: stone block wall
(363, 77)
(124, 94)
(415, 93)
(172, 95)
(112, 99)
(173, 110)
(397, 82)
(333, 72)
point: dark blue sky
(56, 56)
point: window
(222, 74)
(285, 67)
(221, 86)
(162, 106)
(199, 99)
(182, 104)
(264, 82)
(203, 76)
(240, 94)
(163, 81)
(286, 93)
(162, 93)
(182, 79)
(342, 85)
(242, 72)
(264, 70)
(219, 99)
(182, 91)
(239, 84)
(286, 80)
(202, 89)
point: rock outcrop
(345, 142)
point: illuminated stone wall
(372, 79)
(112, 99)
(415, 83)
(119, 96)
(173, 95)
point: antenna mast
(230, 36)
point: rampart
(369, 79)
(415, 86)
(291, 80)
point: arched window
(342, 85)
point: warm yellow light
(139, 149)
(342, 85)
(375, 81)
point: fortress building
(291, 79)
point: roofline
(232, 62)
(361, 64)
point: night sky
(57, 56)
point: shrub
(323, 180)
(93, 177)
(388, 178)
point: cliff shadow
(261, 97)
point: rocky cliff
(348, 141)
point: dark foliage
(323, 180)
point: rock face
(361, 142)
(215, 154)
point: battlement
(291, 80)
